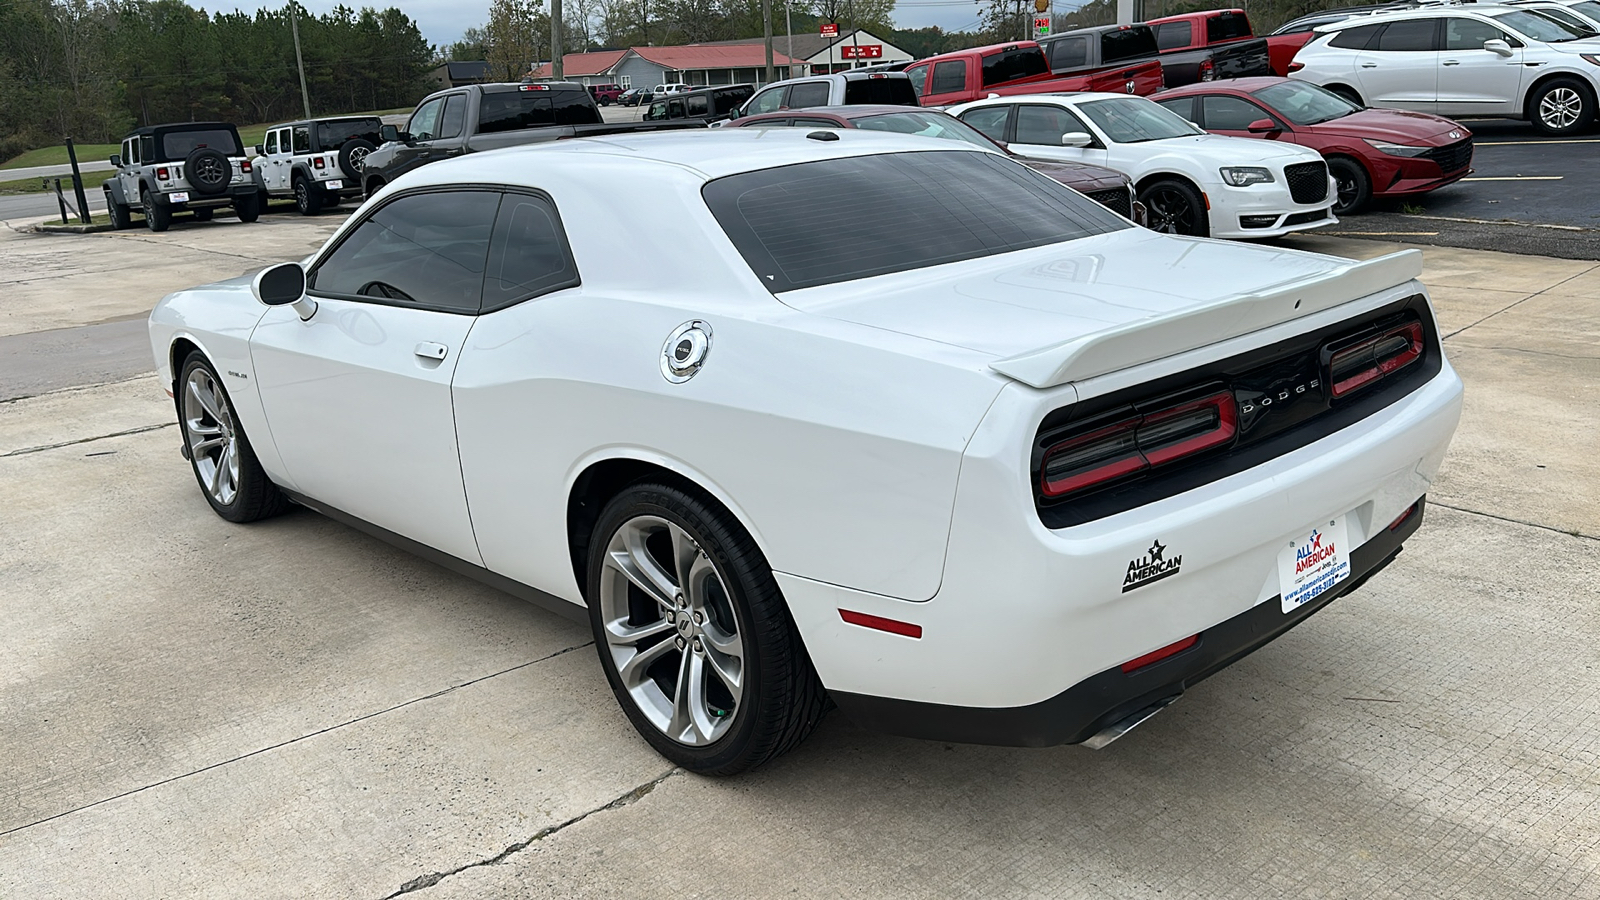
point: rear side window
(1070, 53)
(948, 77)
(697, 105)
(1009, 65)
(1173, 35)
(1417, 34)
(786, 224)
(727, 101)
(507, 111)
(808, 94)
(1354, 38)
(1227, 27)
(991, 120)
(455, 116)
(885, 91)
(423, 250)
(302, 139)
(574, 108)
(1127, 43)
(1225, 113)
(1183, 106)
(529, 255)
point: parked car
(191, 167)
(1460, 62)
(1370, 152)
(1205, 46)
(839, 89)
(1086, 50)
(983, 464)
(1191, 182)
(662, 90)
(1018, 68)
(318, 162)
(488, 117)
(702, 105)
(634, 96)
(605, 94)
(1563, 13)
(1287, 40)
(1589, 9)
(1107, 187)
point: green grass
(57, 156)
(91, 182)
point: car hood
(1036, 303)
(1226, 150)
(1393, 125)
(1583, 45)
(1082, 177)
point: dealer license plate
(1314, 562)
(179, 196)
(335, 184)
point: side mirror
(389, 133)
(259, 151)
(1262, 126)
(116, 160)
(1076, 139)
(284, 285)
(1498, 47)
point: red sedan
(1370, 152)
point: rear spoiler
(1158, 337)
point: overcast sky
(442, 21)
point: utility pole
(766, 32)
(788, 28)
(294, 26)
(557, 71)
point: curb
(49, 228)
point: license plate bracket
(1314, 562)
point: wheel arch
(1339, 87)
(113, 186)
(1546, 78)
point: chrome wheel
(1560, 108)
(671, 630)
(213, 440)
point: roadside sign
(1041, 26)
(830, 29)
(863, 51)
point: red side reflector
(1133, 665)
(1353, 368)
(879, 623)
(1403, 517)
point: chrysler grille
(1308, 182)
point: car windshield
(177, 145)
(1566, 18)
(907, 211)
(1305, 104)
(1588, 8)
(927, 124)
(1540, 28)
(1134, 120)
(332, 135)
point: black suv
(707, 104)
(318, 162)
(190, 166)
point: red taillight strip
(1143, 454)
(1156, 656)
(1411, 331)
(879, 623)
(1227, 425)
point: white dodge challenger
(896, 423)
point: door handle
(1369, 65)
(430, 350)
(1452, 62)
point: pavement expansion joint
(1489, 515)
(1512, 306)
(295, 740)
(632, 796)
(99, 437)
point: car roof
(1420, 12)
(183, 126)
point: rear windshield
(1227, 27)
(730, 99)
(1128, 43)
(176, 145)
(509, 111)
(1009, 65)
(907, 211)
(896, 91)
(332, 135)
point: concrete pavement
(293, 709)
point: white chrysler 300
(897, 422)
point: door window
(675, 109)
(991, 120)
(1183, 106)
(423, 250)
(1045, 125)
(1224, 113)
(1355, 38)
(454, 116)
(283, 141)
(1069, 53)
(813, 123)
(424, 125)
(767, 101)
(528, 255)
(1469, 34)
(1174, 35)
(1227, 26)
(808, 94)
(697, 105)
(949, 77)
(272, 143)
(1412, 36)
(302, 139)
(131, 149)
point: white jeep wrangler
(189, 166)
(315, 161)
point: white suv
(1461, 62)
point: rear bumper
(201, 201)
(1087, 707)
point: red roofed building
(649, 66)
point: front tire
(1175, 207)
(1347, 93)
(120, 219)
(693, 634)
(1561, 107)
(224, 464)
(1354, 186)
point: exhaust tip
(1103, 738)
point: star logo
(1156, 550)
(1316, 539)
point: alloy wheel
(213, 438)
(671, 630)
(1347, 191)
(1560, 108)
(1170, 212)
(358, 157)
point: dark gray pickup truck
(1087, 49)
(481, 117)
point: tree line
(91, 69)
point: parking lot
(294, 709)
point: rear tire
(230, 477)
(1354, 185)
(1175, 207)
(156, 218)
(308, 201)
(248, 206)
(694, 635)
(1561, 106)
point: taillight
(1352, 368)
(163, 173)
(1208, 70)
(1137, 443)
(317, 162)
(244, 165)
(1296, 66)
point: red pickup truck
(1231, 48)
(1018, 68)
